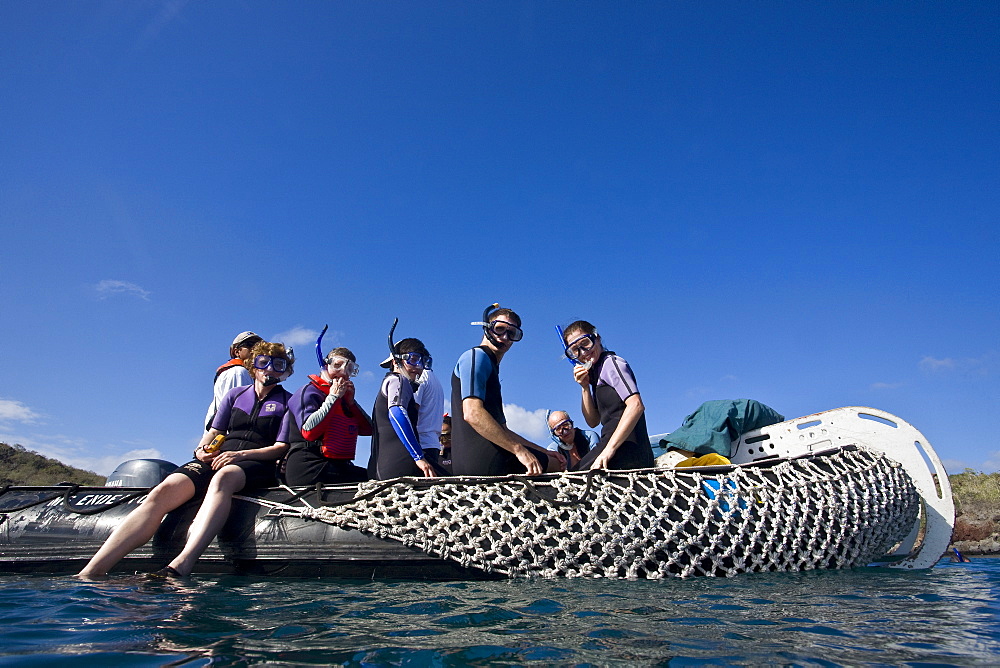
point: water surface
(949, 615)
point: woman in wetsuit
(255, 422)
(609, 397)
(395, 449)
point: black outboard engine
(140, 473)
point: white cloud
(302, 336)
(167, 12)
(929, 363)
(885, 386)
(107, 288)
(991, 465)
(530, 424)
(15, 411)
(983, 365)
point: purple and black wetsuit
(612, 382)
(248, 423)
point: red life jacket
(231, 363)
(339, 430)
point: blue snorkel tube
(562, 342)
(319, 348)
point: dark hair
(581, 325)
(342, 352)
(411, 345)
(507, 312)
(446, 420)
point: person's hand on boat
(426, 467)
(603, 460)
(528, 461)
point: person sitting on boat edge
(254, 421)
(395, 451)
(572, 441)
(232, 373)
(609, 397)
(326, 423)
(482, 444)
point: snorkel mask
(351, 368)
(283, 366)
(514, 333)
(552, 431)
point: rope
(837, 510)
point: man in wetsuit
(481, 442)
(574, 442)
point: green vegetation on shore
(19, 466)
(977, 509)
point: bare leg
(211, 516)
(141, 524)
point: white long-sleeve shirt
(430, 403)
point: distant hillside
(23, 467)
(977, 510)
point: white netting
(833, 511)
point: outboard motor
(140, 473)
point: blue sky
(792, 202)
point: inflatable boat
(845, 488)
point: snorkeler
(572, 441)
(327, 421)
(482, 444)
(396, 451)
(254, 422)
(609, 397)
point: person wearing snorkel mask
(327, 423)
(232, 373)
(574, 442)
(396, 451)
(255, 422)
(609, 397)
(482, 444)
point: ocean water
(948, 615)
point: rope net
(837, 510)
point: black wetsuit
(390, 458)
(477, 374)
